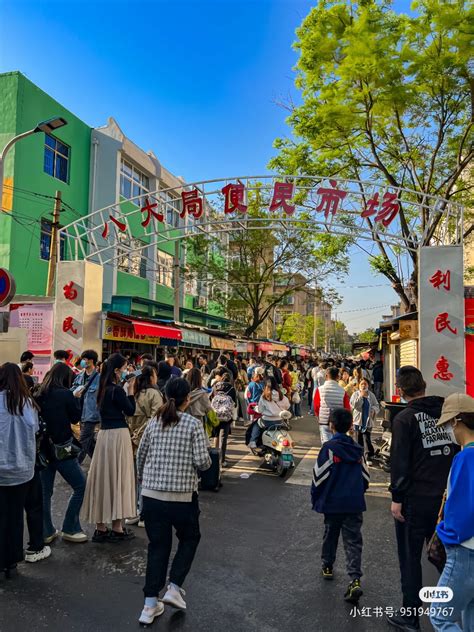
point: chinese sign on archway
(441, 313)
(382, 207)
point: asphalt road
(257, 568)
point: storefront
(120, 333)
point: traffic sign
(7, 287)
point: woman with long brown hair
(60, 409)
(110, 491)
(18, 427)
(149, 400)
(173, 448)
(199, 403)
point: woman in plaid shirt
(173, 448)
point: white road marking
(303, 473)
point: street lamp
(48, 126)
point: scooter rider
(271, 404)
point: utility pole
(177, 283)
(53, 247)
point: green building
(93, 168)
(36, 167)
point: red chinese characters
(282, 192)
(68, 325)
(442, 322)
(120, 225)
(192, 204)
(70, 292)
(148, 210)
(330, 199)
(441, 279)
(442, 370)
(388, 210)
(234, 198)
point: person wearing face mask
(421, 456)
(85, 389)
(456, 530)
(110, 491)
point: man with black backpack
(85, 388)
(224, 402)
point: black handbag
(67, 450)
(435, 548)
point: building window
(133, 182)
(132, 259)
(164, 268)
(45, 241)
(171, 206)
(56, 158)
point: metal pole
(53, 247)
(5, 150)
(177, 284)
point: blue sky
(197, 81)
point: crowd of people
(147, 427)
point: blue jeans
(458, 574)
(72, 473)
(257, 431)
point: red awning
(265, 346)
(156, 331)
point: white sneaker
(51, 537)
(149, 614)
(132, 520)
(74, 537)
(37, 556)
(174, 597)
(253, 445)
(141, 523)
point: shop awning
(154, 330)
(265, 346)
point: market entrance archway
(397, 219)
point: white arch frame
(85, 242)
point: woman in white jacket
(365, 407)
(270, 405)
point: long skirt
(110, 490)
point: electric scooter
(276, 445)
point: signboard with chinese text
(222, 344)
(37, 318)
(190, 336)
(120, 331)
(441, 310)
(78, 307)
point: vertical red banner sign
(469, 311)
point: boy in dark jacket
(340, 479)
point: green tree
(263, 264)
(368, 335)
(297, 328)
(386, 97)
